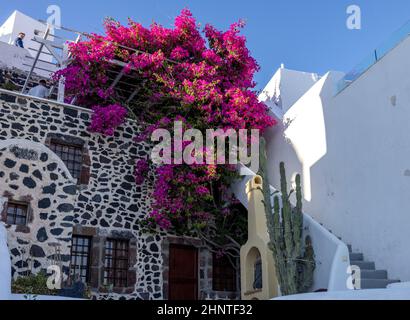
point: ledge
(25, 96)
(54, 102)
(248, 293)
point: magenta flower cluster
(105, 119)
(141, 171)
(201, 77)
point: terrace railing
(394, 40)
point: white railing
(372, 58)
(331, 254)
(44, 100)
(20, 59)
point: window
(224, 274)
(16, 213)
(116, 262)
(257, 283)
(80, 259)
(72, 156)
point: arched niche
(253, 270)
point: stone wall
(32, 174)
(105, 202)
(110, 203)
(206, 278)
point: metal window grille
(71, 155)
(16, 213)
(80, 258)
(116, 262)
(224, 274)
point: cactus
(294, 260)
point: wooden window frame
(110, 274)
(98, 245)
(75, 151)
(59, 139)
(220, 282)
(19, 204)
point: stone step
(356, 256)
(370, 277)
(376, 283)
(373, 274)
(363, 265)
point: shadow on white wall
(306, 131)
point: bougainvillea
(141, 171)
(204, 79)
(106, 119)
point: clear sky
(306, 35)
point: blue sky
(307, 35)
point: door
(183, 273)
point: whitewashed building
(348, 136)
(19, 22)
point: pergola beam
(51, 46)
(132, 96)
(117, 78)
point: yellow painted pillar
(256, 248)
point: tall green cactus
(294, 259)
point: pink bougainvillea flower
(203, 78)
(141, 171)
(105, 119)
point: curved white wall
(353, 151)
(16, 57)
(32, 145)
(19, 22)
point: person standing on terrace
(19, 40)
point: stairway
(370, 277)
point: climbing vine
(203, 78)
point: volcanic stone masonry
(108, 205)
(103, 202)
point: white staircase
(370, 277)
(334, 259)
